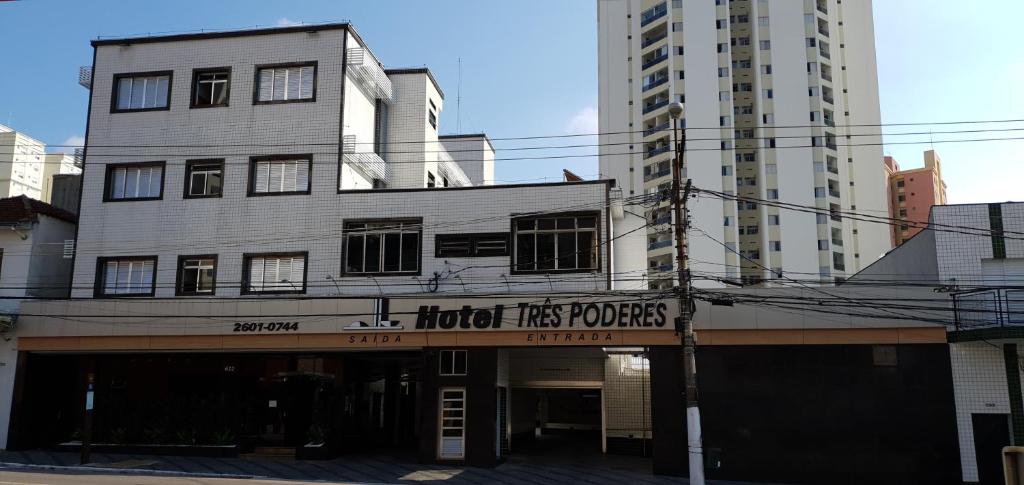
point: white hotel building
(772, 92)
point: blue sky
(529, 67)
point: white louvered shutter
(266, 84)
(306, 84)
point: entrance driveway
(358, 468)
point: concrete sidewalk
(356, 468)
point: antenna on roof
(458, 101)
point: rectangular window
(773, 194)
(723, 72)
(280, 175)
(775, 245)
(285, 83)
(197, 274)
(204, 178)
(144, 91)
(819, 192)
(768, 118)
(126, 276)
(557, 242)
(210, 87)
(452, 362)
(762, 21)
(773, 220)
(432, 119)
(726, 170)
(134, 181)
(771, 168)
(388, 247)
(274, 273)
(471, 245)
(768, 93)
(724, 95)
(765, 45)
(431, 180)
(766, 68)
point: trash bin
(1013, 465)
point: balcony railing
(830, 122)
(828, 99)
(452, 172)
(659, 244)
(653, 14)
(651, 40)
(824, 53)
(656, 151)
(665, 219)
(833, 193)
(823, 7)
(826, 76)
(655, 105)
(657, 175)
(367, 72)
(823, 31)
(654, 62)
(662, 268)
(837, 242)
(654, 129)
(655, 84)
(988, 308)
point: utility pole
(679, 198)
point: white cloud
(73, 141)
(287, 22)
(583, 122)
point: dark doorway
(557, 424)
(991, 434)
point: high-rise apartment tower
(780, 104)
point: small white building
(33, 263)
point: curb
(123, 471)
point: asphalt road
(50, 478)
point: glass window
(204, 178)
(279, 175)
(453, 362)
(383, 247)
(556, 243)
(142, 181)
(275, 273)
(196, 275)
(286, 83)
(210, 87)
(142, 91)
(134, 276)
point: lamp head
(675, 110)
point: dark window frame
(597, 243)
(472, 239)
(250, 190)
(247, 258)
(189, 164)
(180, 267)
(99, 283)
(256, 82)
(122, 75)
(344, 248)
(195, 82)
(112, 166)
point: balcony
(654, 62)
(663, 219)
(368, 163)
(654, 129)
(826, 76)
(656, 151)
(830, 122)
(655, 84)
(833, 193)
(823, 7)
(366, 71)
(657, 175)
(837, 242)
(823, 31)
(655, 105)
(824, 52)
(653, 14)
(659, 244)
(651, 40)
(662, 268)
(828, 99)
(989, 308)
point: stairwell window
(196, 274)
(556, 243)
(126, 276)
(385, 247)
(285, 83)
(210, 87)
(274, 273)
(134, 181)
(204, 178)
(279, 175)
(144, 91)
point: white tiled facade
(766, 114)
(22, 160)
(389, 121)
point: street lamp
(679, 196)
